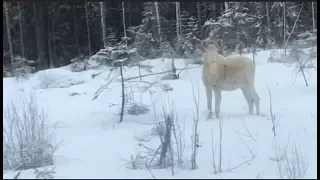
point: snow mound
(111, 56)
(55, 78)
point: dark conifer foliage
(53, 33)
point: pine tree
(65, 35)
(192, 36)
(277, 22)
(263, 38)
(189, 41)
(184, 17)
(149, 9)
(232, 30)
(147, 34)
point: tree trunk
(49, 45)
(103, 23)
(284, 27)
(88, 29)
(200, 20)
(205, 11)
(199, 14)
(5, 5)
(76, 29)
(54, 44)
(44, 34)
(124, 24)
(315, 12)
(178, 19)
(128, 14)
(268, 23)
(21, 30)
(226, 5)
(39, 14)
(213, 10)
(158, 19)
(294, 25)
(313, 22)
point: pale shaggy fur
(228, 74)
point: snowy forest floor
(97, 146)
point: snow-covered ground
(97, 146)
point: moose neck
(211, 57)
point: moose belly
(232, 84)
(229, 87)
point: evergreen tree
(231, 31)
(263, 38)
(189, 41)
(64, 32)
(277, 23)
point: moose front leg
(209, 102)
(217, 97)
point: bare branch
(162, 86)
(180, 144)
(293, 167)
(123, 95)
(17, 175)
(220, 145)
(97, 74)
(195, 134)
(295, 23)
(248, 133)
(29, 141)
(155, 73)
(272, 116)
(301, 65)
(213, 154)
(241, 164)
(246, 161)
(150, 171)
(184, 68)
(100, 90)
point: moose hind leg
(247, 93)
(217, 100)
(257, 101)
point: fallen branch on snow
(136, 77)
